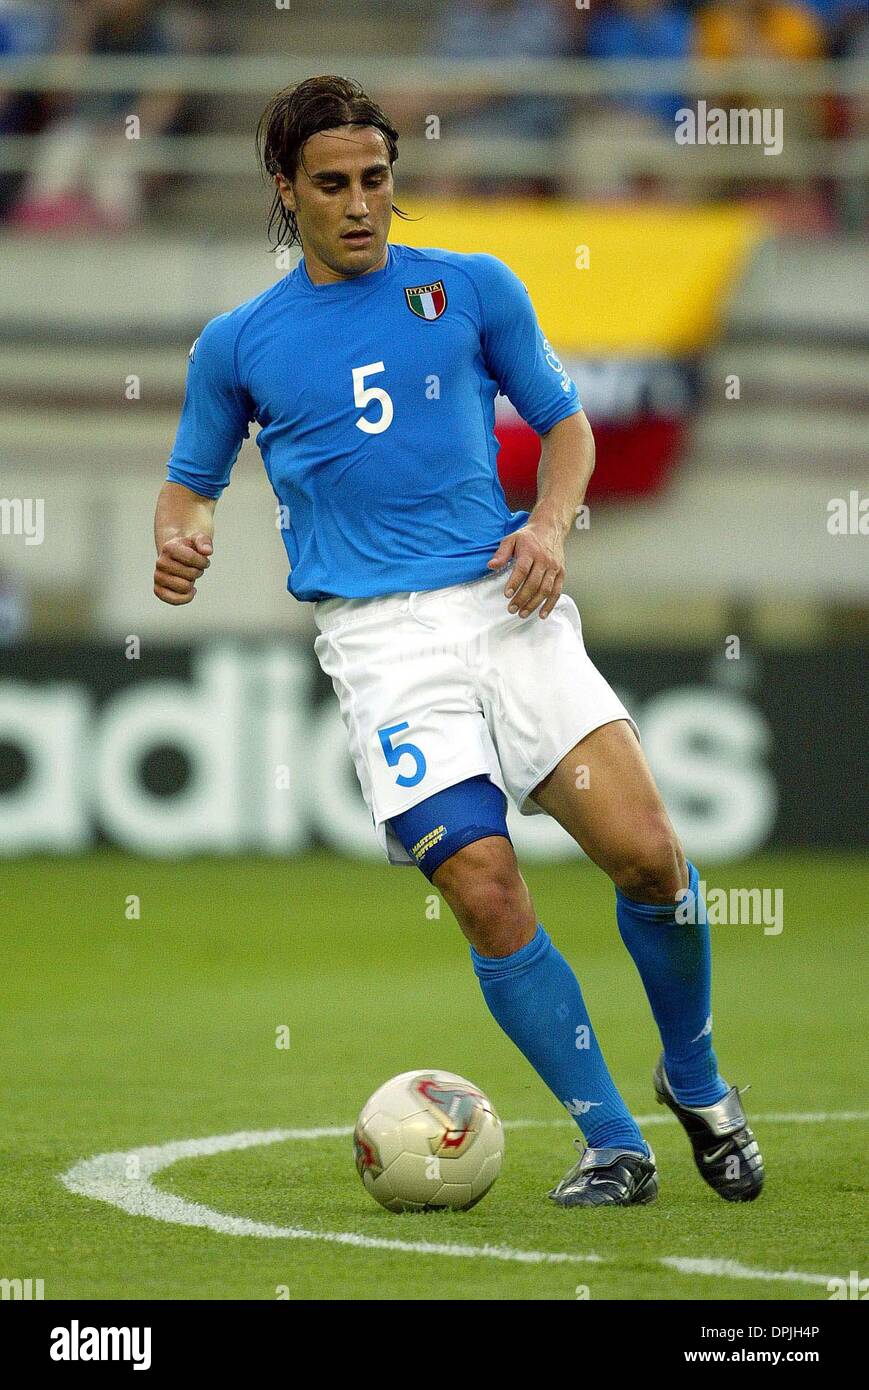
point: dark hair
(293, 116)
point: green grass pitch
(121, 1033)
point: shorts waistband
(330, 613)
(335, 612)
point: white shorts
(440, 685)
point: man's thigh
(604, 795)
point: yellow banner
(642, 281)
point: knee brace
(436, 828)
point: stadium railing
(843, 156)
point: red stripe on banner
(633, 459)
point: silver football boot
(608, 1177)
(725, 1150)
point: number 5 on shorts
(392, 754)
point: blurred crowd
(81, 174)
(588, 137)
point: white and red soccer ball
(428, 1140)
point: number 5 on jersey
(363, 395)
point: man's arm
(183, 531)
(537, 548)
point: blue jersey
(375, 399)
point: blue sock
(675, 964)
(535, 997)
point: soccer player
(459, 664)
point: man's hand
(181, 561)
(537, 549)
(537, 576)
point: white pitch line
(106, 1178)
(732, 1269)
(124, 1180)
(666, 1117)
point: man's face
(342, 199)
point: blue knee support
(436, 828)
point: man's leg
(531, 990)
(615, 813)
(459, 839)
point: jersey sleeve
(519, 357)
(216, 414)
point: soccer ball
(428, 1140)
